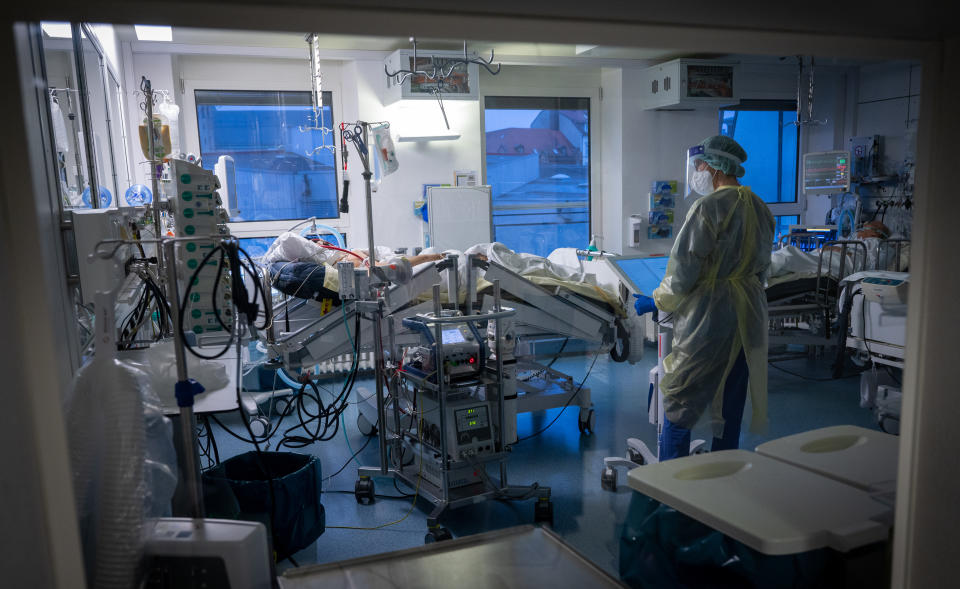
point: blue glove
(644, 304)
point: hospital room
(331, 304)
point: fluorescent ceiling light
(57, 30)
(153, 33)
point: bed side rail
(838, 259)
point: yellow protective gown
(714, 288)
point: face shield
(694, 156)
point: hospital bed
(546, 311)
(803, 288)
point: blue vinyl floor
(570, 464)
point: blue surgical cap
(723, 153)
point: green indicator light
(197, 329)
(205, 196)
(187, 195)
(185, 178)
(189, 229)
(188, 213)
(196, 281)
(191, 247)
(191, 264)
(195, 297)
(196, 313)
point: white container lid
(769, 505)
(864, 458)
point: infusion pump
(464, 350)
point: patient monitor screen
(644, 273)
(828, 171)
(452, 336)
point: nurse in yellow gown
(714, 289)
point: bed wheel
(608, 479)
(587, 422)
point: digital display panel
(472, 418)
(828, 171)
(452, 336)
(644, 273)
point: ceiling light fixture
(154, 33)
(57, 30)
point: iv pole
(361, 143)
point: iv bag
(171, 111)
(385, 149)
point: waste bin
(240, 488)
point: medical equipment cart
(446, 417)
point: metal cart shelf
(447, 472)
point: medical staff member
(714, 289)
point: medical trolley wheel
(587, 421)
(543, 511)
(259, 427)
(282, 406)
(608, 479)
(366, 428)
(437, 534)
(364, 491)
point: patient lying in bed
(302, 268)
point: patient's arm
(423, 258)
(414, 260)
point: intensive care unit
(395, 308)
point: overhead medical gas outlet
(690, 84)
(420, 74)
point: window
(771, 143)
(782, 225)
(279, 176)
(766, 132)
(538, 166)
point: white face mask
(702, 182)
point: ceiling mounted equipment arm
(316, 98)
(808, 120)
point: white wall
(421, 163)
(888, 104)
(630, 147)
(654, 142)
(358, 87)
(612, 214)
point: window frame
(777, 209)
(595, 200)
(191, 141)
